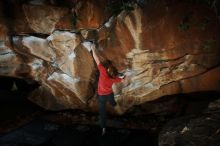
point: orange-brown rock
(163, 48)
(160, 54)
(42, 19)
(90, 14)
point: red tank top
(105, 82)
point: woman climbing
(107, 77)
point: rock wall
(163, 47)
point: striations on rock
(162, 48)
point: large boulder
(163, 48)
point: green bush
(183, 26)
(208, 45)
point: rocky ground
(194, 130)
(40, 132)
(174, 120)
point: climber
(107, 77)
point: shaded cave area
(14, 104)
(25, 123)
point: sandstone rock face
(162, 48)
(42, 19)
(90, 14)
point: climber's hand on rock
(93, 47)
(125, 81)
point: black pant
(103, 99)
